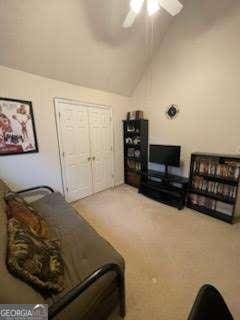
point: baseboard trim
(118, 183)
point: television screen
(167, 155)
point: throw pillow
(19, 209)
(34, 259)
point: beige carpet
(169, 254)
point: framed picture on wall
(17, 128)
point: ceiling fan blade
(171, 6)
(130, 18)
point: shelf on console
(164, 190)
(166, 177)
(160, 188)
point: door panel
(101, 148)
(75, 140)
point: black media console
(163, 187)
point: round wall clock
(172, 111)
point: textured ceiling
(79, 41)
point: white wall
(21, 171)
(198, 68)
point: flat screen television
(167, 155)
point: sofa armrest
(35, 193)
(85, 284)
(36, 188)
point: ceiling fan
(173, 7)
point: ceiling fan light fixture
(152, 7)
(173, 7)
(136, 5)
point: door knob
(94, 158)
(89, 158)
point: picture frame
(17, 127)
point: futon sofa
(94, 270)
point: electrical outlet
(238, 149)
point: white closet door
(101, 148)
(75, 150)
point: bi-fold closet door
(86, 148)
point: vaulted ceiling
(79, 41)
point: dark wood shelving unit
(166, 188)
(214, 185)
(134, 166)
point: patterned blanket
(32, 253)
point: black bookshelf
(214, 185)
(135, 150)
